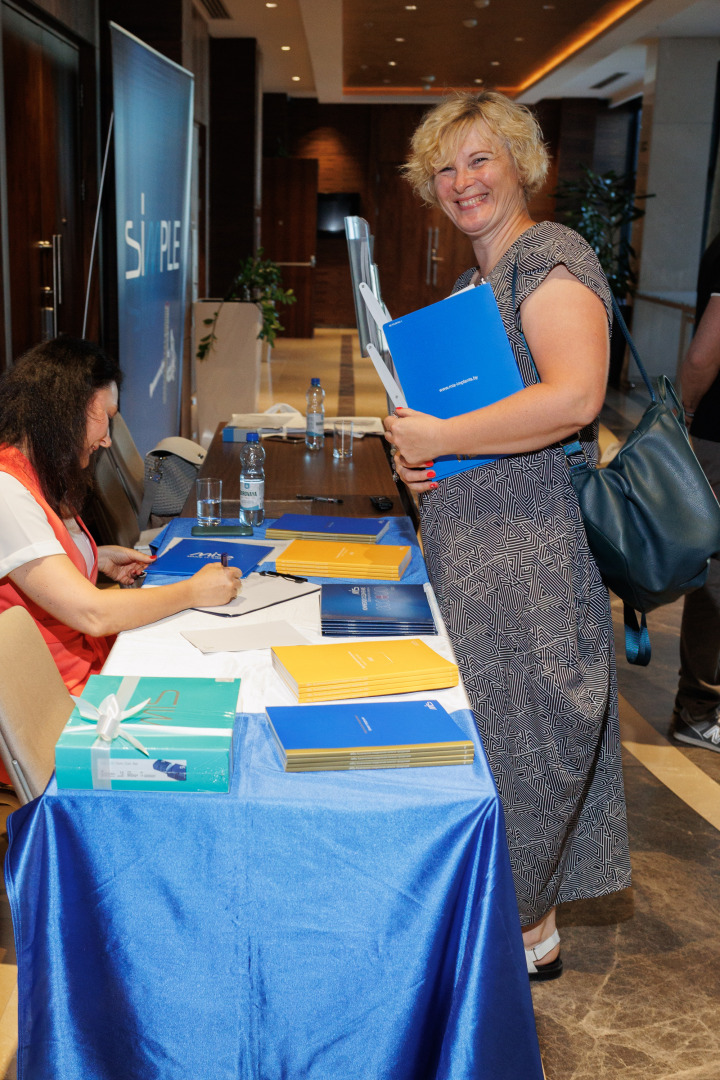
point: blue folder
(355, 606)
(189, 556)
(330, 527)
(366, 725)
(453, 357)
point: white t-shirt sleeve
(25, 532)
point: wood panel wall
(354, 144)
(79, 16)
(234, 162)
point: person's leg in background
(696, 719)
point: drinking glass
(342, 438)
(208, 492)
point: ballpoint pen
(224, 558)
(318, 498)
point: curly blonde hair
(441, 131)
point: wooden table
(291, 469)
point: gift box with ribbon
(136, 733)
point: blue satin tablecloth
(317, 926)
(400, 531)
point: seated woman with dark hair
(55, 409)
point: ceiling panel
(501, 43)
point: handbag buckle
(572, 448)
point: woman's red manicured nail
(431, 474)
(433, 485)
(429, 464)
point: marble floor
(642, 968)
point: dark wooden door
(288, 234)
(418, 251)
(45, 198)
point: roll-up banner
(153, 102)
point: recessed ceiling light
(411, 7)
(479, 81)
(519, 39)
(285, 48)
(469, 23)
(296, 78)
(427, 78)
(481, 3)
(494, 63)
(399, 38)
(392, 63)
(270, 5)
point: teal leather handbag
(651, 517)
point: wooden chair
(34, 704)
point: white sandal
(553, 970)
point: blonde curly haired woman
(506, 550)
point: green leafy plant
(258, 281)
(602, 207)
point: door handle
(434, 257)
(311, 262)
(49, 312)
(57, 267)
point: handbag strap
(637, 639)
(620, 322)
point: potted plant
(229, 336)
(602, 207)
(258, 281)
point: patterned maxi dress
(530, 621)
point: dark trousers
(699, 685)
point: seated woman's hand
(215, 585)
(122, 564)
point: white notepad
(258, 592)
(234, 638)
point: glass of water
(342, 439)
(208, 492)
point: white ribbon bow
(109, 717)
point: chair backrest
(34, 704)
(128, 461)
(109, 514)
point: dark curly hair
(44, 401)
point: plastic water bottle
(315, 416)
(252, 481)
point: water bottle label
(315, 423)
(252, 494)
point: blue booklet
(188, 556)
(350, 608)
(318, 527)
(453, 357)
(421, 729)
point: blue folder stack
(375, 610)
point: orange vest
(76, 655)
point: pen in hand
(224, 558)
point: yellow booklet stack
(361, 669)
(327, 558)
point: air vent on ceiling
(215, 9)
(610, 79)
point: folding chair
(34, 704)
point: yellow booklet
(363, 668)
(328, 558)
